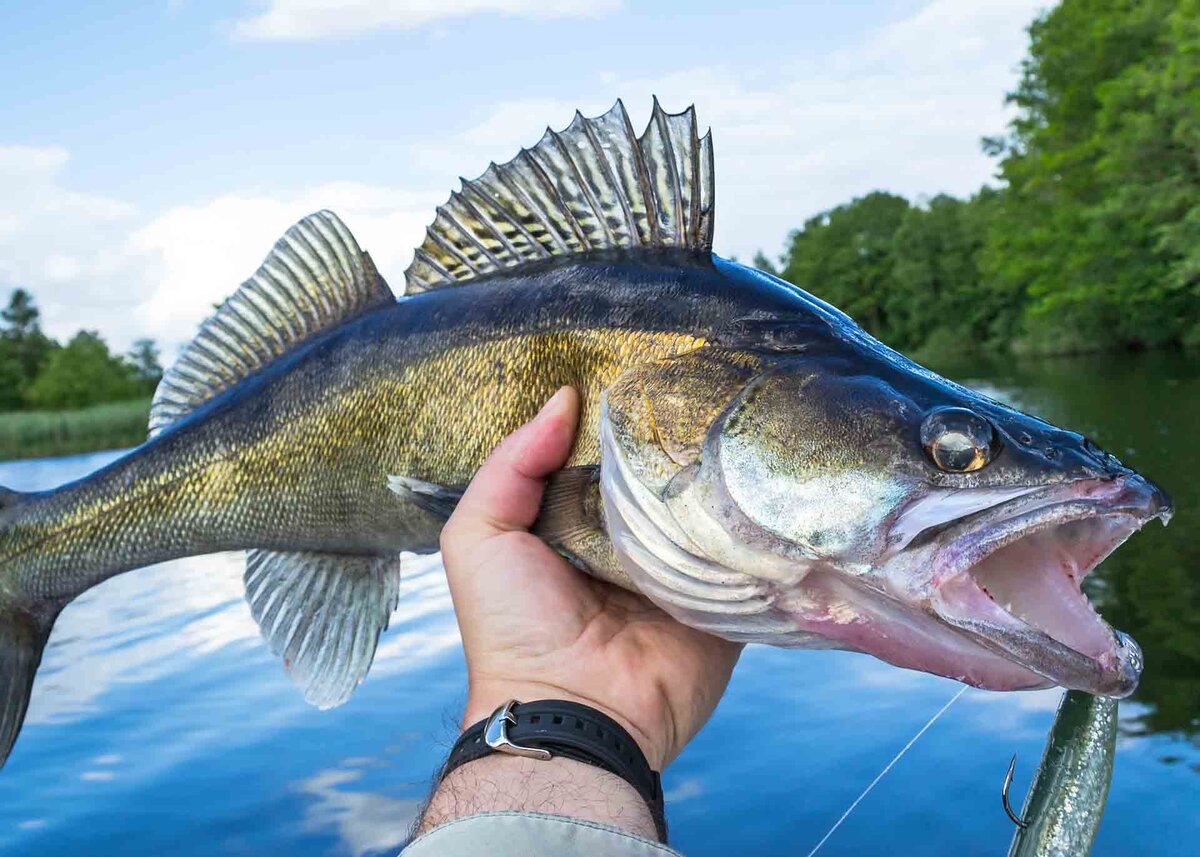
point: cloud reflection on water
(364, 822)
(149, 623)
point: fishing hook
(1008, 778)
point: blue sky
(151, 152)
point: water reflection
(160, 723)
(365, 823)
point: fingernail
(553, 403)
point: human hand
(534, 627)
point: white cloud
(304, 20)
(903, 110)
(98, 263)
(365, 822)
(63, 245)
(196, 255)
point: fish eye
(957, 440)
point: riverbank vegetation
(35, 434)
(1090, 242)
(62, 399)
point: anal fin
(323, 614)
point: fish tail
(25, 623)
(23, 634)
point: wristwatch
(546, 728)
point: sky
(152, 152)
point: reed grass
(40, 434)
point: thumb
(506, 492)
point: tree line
(36, 372)
(1091, 242)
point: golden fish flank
(500, 384)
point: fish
(749, 459)
(1064, 806)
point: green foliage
(31, 434)
(143, 362)
(12, 379)
(35, 370)
(764, 264)
(1100, 223)
(1093, 243)
(939, 296)
(845, 256)
(83, 373)
(23, 348)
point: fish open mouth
(1013, 582)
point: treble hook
(1008, 778)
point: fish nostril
(1024, 438)
(1102, 456)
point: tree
(12, 379)
(21, 315)
(23, 348)
(845, 256)
(938, 290)
(764, 264)
(1099, 228)
(143, 360)
(83, 373)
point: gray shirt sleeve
(531, 834)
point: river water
(161, 724)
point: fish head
(844, 497)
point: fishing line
(887, 768)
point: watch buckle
(495, 735)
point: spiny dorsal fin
(316, 277)
(592, 186)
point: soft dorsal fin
(315, 278)
(593, 186)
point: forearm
(558, 786)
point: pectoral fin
(570, 505)
(323, 614)
(571, 521)
(433, 498)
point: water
(161, 724)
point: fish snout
(1142, 493)
(1144, 498)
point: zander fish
(749, 458)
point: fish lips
(1011, 579)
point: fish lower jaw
(1023, 601)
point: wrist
(484, 697)
(559, 786)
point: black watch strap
(546, 728)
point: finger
(506, 492)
